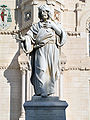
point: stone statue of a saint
(46, 36)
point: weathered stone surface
(49, 108)
(75, 80)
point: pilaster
(23, 62)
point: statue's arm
(56, 28)
(62, 37)
(27, 41)
(51, 24)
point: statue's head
(44, 12)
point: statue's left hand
(48, 24)
(51, 24)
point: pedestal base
(50, 108)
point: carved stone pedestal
(50, 108)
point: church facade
(73, 84)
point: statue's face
(44, 15)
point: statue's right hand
(20, 37)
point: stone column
(35, 11)
(62, 68)
(77, 10)
(22, 117)
(61, 86)
(89, 96)
(28, 84)
(23, 62)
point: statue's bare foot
(44, 95)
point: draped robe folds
(45, 56)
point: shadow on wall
(13, 76)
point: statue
(46, 37)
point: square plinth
(49, 108)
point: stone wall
(10, 76)
(76, 85)
(73, 85)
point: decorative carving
(76, 68)
(23, 62)
(5, 67)
(57, 15)
(14, 32)
(23, 66)
(5, 17)
(73, 33)
(27, 16)
(62, 61)
(88, 24)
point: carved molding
(28, 2)
(70, 33)
(76, 68)
(87, 24)
(23, 61)
(3, 67)
(23, 66)
(14, 32)
(9, 32)
(7, 67)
